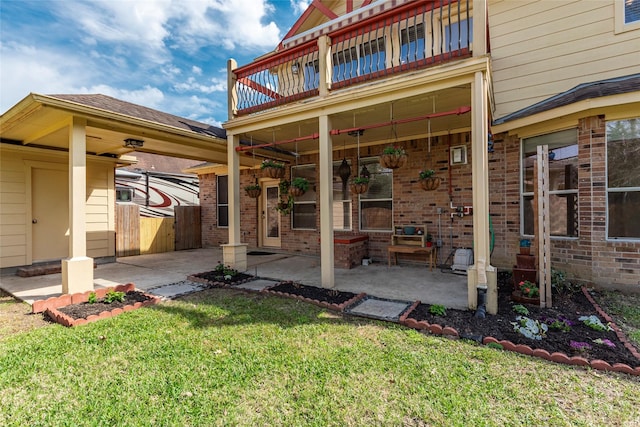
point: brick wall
(590, 257)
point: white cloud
(148, 96)
(191, 85)
(196, 70)
(299, 6)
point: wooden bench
(416, 244)
(411, 249)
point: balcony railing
(414, 36)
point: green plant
(360, 180)
(495, 345)
(426, 173)
(394, 150)
(283, 186)
(520, 309)
(285, 205)
(93, 298)
(225, 270)
(529, 289)
(530, 328)
(252, 187)
(438, 310)
(114, 296)
(560, 323)
(595, 323)
(268, 163)
(301, 183)
(560, 284)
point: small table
(411, 249)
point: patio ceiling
(437, 102)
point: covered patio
(406, 283)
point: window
(458, 35)
(304, 207)
(627, 15)
(376, 205)
(355, 61)
(563, 182)
(623, 179)
(124, 194)
(341, 199)
(412, 43)
(222, 192)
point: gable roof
(107, 103)
(597, 89)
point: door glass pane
(272, 215)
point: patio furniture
(415, 244)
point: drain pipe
(481, 310)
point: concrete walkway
(404, 283)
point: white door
(270, 215)
(49, 214)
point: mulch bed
(499, 326)
(331, 298)
(215, 279)
(85, 309)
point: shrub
(438, 310)
(93, 298)
(520, 309)
(114, 296)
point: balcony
(343, 54)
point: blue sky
(170, 55)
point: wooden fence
(140, 236)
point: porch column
(481, 275)
(479, 27)
(77, 270)
(234, 254)
(326, 203)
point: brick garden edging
(336, 307)
(557, 357)
(51, 305)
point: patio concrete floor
(403, 282)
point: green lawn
(223, 357)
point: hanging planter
(298, 186)
(272, 169)
(427, 181)
(359, 185)
(393, 157)
(253, 191)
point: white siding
(13, 211)
(542, 48)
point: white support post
(326, 203)
(234, 253)
(479, 44)
(325, 68)
(232, 90)
(77, 270)
(481, 276)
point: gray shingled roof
(581, 92)
(114, 105)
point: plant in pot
(393, 157)
(359, 185)
(427, 180)
(272, 169)
(525, 246)
(298, 186)
(253, 190)
(527, 292)
(429, 240)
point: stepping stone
(379, 308)
(256, 285)
(175, 289)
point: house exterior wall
(542, 48)
(15, 206)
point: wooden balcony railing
(413, 36)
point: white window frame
(364, 161)
(620, 23)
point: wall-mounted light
(133, 143)
(295, 67)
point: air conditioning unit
(462, 259)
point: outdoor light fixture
(133, 143)
(344, 171)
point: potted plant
(527, 292)
(428, 182)
(393, 157)
(272, 168)
(525, 246)
(429, 240)
(359, 185)
(253, 190)
(298, 186)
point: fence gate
(156, 235)
(187, 227)
(127, 230)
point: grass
(222, 357)
(626, 311)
